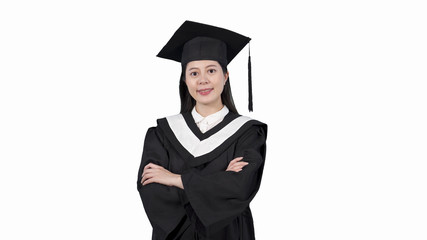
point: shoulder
(162, 120)
(155, 133)
(163, 124)
(247, 127)
(255, 125)
(253, 137)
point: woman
(200, 169)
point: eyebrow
(212, 65)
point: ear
(226, 77)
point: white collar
(197, 147)
(210, 118)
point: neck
(206, 110)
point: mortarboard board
(196, 41)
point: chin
(204, 102)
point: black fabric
(214, 204)
(250, 97)
(210, 47)
(204, 48)
(163, 217)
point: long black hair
(188, 102)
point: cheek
(221, 84)
(222, 88)
(191, 86)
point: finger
(235, 160)
(146, 177)
(239, 164)
(152, 165)
(143, 179)
(149, 170)
(151, 180)
(147, 166)
(235, 170)
(238, 168)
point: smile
(205, 91)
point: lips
(205, 91)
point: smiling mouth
(205, 91)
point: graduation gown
(214, 203)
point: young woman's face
(205, 81)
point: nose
(203, 79)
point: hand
(235, 165)
(157, 174)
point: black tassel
(250, 81)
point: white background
(341, 84)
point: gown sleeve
(220, 197)
(161, 203)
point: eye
(211, 70)
(194, 74)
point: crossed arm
(157, 174)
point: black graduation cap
(196, 41)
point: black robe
(214, 203)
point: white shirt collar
(210, 118)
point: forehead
(202, 64)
